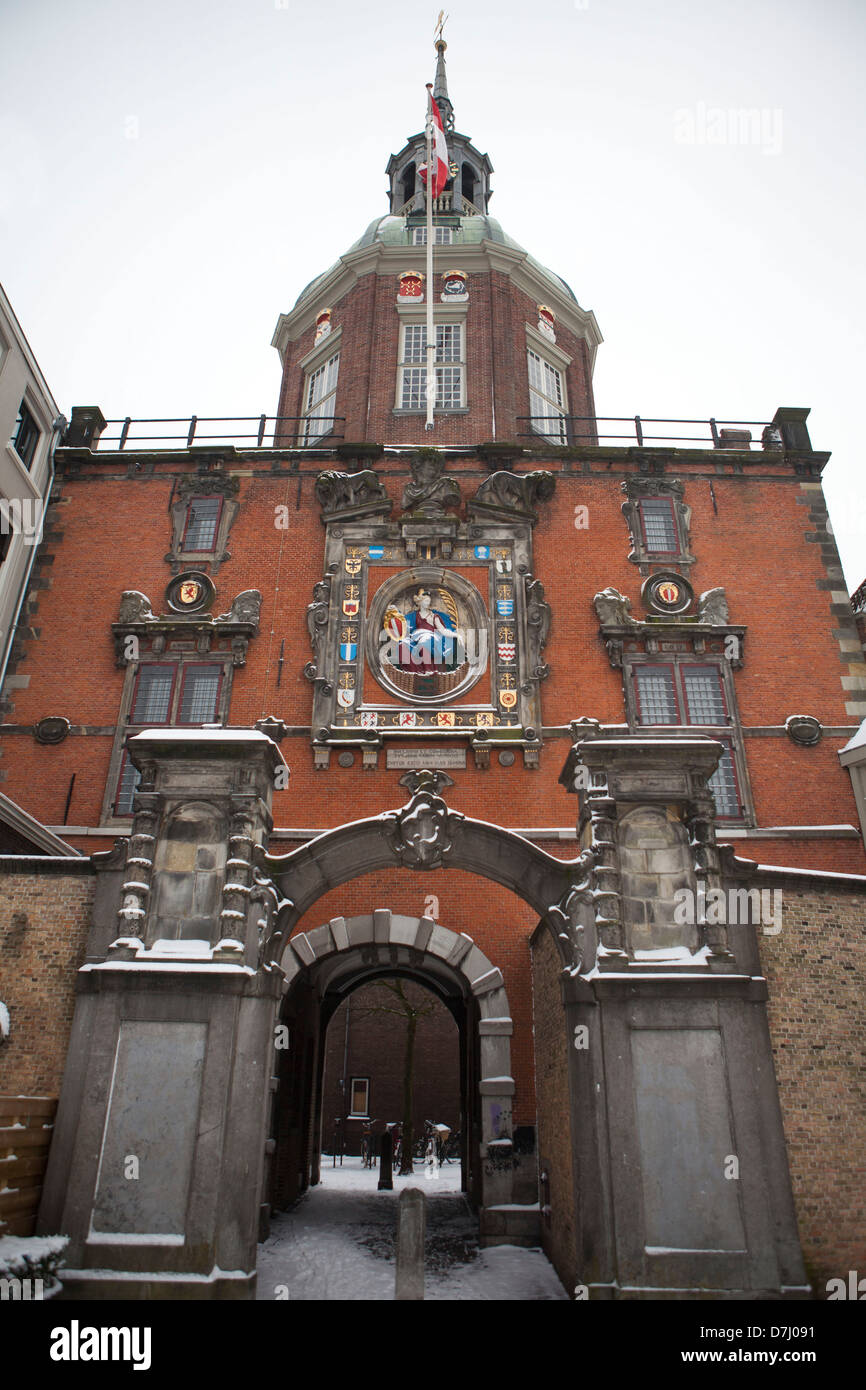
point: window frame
(153, 723)
(320, 364)
(419, 235)
(26, 460)
(672, 513)
(184, 675)
(558, 437)
(639, 488)
(352, 1113)
(181, 663)
(125, 762)
(187, 549)
(727, 732)
(407, 364)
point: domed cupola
(467, 192)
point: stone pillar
(679, 1177)
(411, 1223)
(86, 424)
(791, 420)
(157, 1160)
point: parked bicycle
(433, 1145)
(396, 1132)
(451, 1148)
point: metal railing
(583, 429)
(303, 432)
(268, 432)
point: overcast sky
(175, 171)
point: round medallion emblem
(190, 592)
(667, 593)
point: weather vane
(440, 25)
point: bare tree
(399, 1004)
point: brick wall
(816, 976)
(377, 1049)
(44, 921)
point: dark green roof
(391, 231)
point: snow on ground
(337, 1243)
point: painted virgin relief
(422, 646)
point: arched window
(407, 182)
(467, 182)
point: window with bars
(659, 526)
(126, 784)
(724, 785)
(25, 436)
(442, 236)
(658, 520)
(169, 693)
(153, 692)
(198, 694)
(202, 523)
(693, 696)
(320, 400)
(412, 393)
(547, 403)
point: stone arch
(423, 835)
(334, 958)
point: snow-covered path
(338, 1243)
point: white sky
(727, 278)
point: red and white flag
(440, 153)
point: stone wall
(555, 1159)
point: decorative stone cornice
(617, 626)
(137, 619)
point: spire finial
(440, 86)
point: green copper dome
(391, 231)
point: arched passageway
(391, 1062)
(325, 965)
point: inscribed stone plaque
(685, 1137)
(426, 757)
(152, 1118)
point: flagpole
(431, 331)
